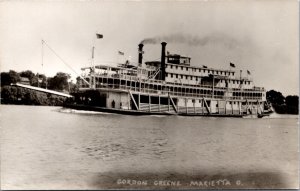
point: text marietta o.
(176, 183)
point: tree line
(60, 82)
(283, 105)
(18, 95)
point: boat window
(181, 76)
(186, 77)
(171, 66)
(187, 68)
(176, 67)
(181, 67)
(176, 75)
(171, 75)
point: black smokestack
(140, 54)
(163, 60)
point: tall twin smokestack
(140, 54)
(163, 58)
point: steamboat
(171, 86)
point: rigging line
(43, 69)
(64, 61)
(42, 53)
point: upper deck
(175, 74)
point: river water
(56, 148)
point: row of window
(204, 70)
(208, 102)
(197, 78)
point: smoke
(194, 40)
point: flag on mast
(121, 53)
(232, 65)
(99, 35)
(248, 72)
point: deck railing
(153, 81)
(151, 86)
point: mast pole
(43, 42)
(93, 84)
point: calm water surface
(55, 148)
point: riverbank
(22, 96)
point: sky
(259, 36)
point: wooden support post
(240, 107)
(231, 107)
(207, 108)
(139, 101)
(140, 85)
(186, 107)
(202, 106)
(261, 107)
(158, 102)
(132, 98)
(225, 107)
(218, 106)
(149, 102)
(128, 100)
(257, 105)
(194, 105)
(169, 102)
(173, 104)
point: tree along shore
(283, 105)
(60, 82)
(22, 96)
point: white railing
(133, 83)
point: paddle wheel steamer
(171, 86)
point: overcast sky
(259, 36)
